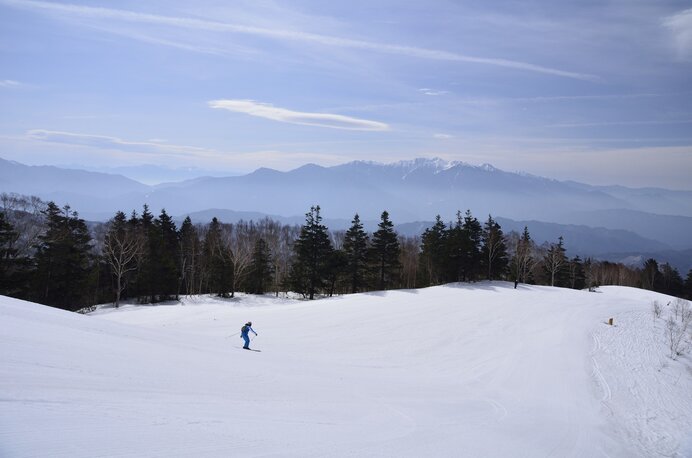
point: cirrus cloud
(10, 84)
(113, 143)
(283, 35)
(269, 111)
(680, 27)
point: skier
(244, 333)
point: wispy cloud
(428, 91)
(114, 143)
(625, 123)
(443, 136)
(10, 84)
(73, 10)
(268, 111)
(77, 147)
(680, 27)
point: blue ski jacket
(249, 328)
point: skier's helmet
(249, 323)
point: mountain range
(596, 219)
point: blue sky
(595, 91)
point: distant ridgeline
(51, 256)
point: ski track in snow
(647, 406)
(603, 383)
(458, 370)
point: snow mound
(457, 370)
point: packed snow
(459, 370)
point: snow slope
(458, 370)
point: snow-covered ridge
(485, 369)
(435, 163)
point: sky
(595, 91)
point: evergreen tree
(63, 260)
(555, 263)
(671, 281)
(190, 254)
(577, 274)
(687, 288)
(384, 252)
(165, 250)
(13, 269)
(651, 275)
(219, 266)
(312, 253)
(145, 281)
(7, 237)
(457, 246)
(261, 270)
(433, 254)
(463, 245)
(356, 251)
(472, 257)
(590, 271)
(494, 250)
(337, 266)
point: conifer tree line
(51, 256)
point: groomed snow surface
(479, 370)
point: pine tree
(145, 281)
(472, 257)
(671, 281)
(219, 267)
(312, 252)
(384, 252)
(433, 254)
(463, 247)
(63, 260)
(456, 248)
(577, 274)
(651, 275)
(555, 263)
(687, 289)
(523, 260)
(494, 250)
(190, 253)
(356, 251)
(11, 268)
(261, 270)
(165, 249)
(337, 265)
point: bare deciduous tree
(239, 238)
(524, 257)
(677, 325)
(409, 260)
(25, 214)
(656, 309)
(555, 260)
(279, 239)
(122, 248)
(675, 335)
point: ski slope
(457, 370)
